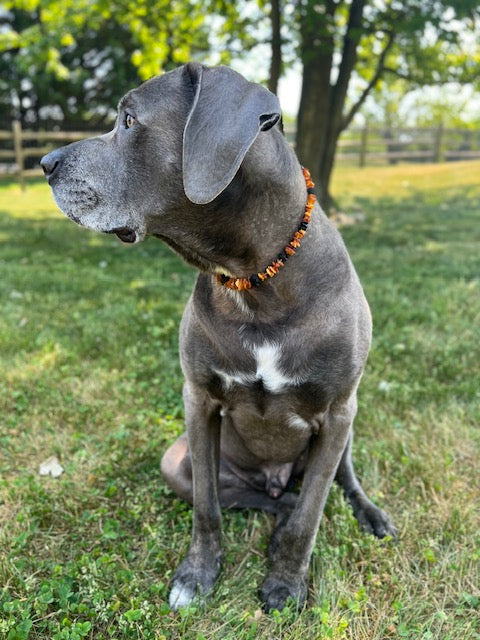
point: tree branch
(276, 46)
(375, 78)
(399, 74)
(349, 55)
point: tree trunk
(276, 44)
(326, 169)
(314, 133)
(320, 118)
(313, 119)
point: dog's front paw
(192, 579)
(276, 591)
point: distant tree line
(68, 61)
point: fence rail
(361, 147)
(383, 145)
(390, 146)
(18, 146)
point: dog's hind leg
(370, 517)
(177, 469)
(234, 492)
(242, 496)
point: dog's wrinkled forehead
(211, 116)
(160, 100)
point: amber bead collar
(256, 279)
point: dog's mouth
(125, 234)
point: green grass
(89, 372)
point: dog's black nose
(51, 163)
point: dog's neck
(244, 228)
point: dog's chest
(267, 370)
(268, 406)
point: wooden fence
(19, 147)
(20, 150)
(390, 146)
(377, 146)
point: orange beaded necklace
(256, 279)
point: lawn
(89, 373)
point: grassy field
(89, 373)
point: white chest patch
(268, 370)
(267, 357)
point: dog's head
(179, 136)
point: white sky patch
(289, 90)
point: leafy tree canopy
(73, 59)
(348, 48)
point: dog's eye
(129, 121)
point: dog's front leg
(199, 570)
(294, 538)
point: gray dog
(273, 344)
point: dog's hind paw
(375, 521)
(276, 592)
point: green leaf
(133, 614)
(21, 631)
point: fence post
(17, 145)
(437, 145)
(363, 146)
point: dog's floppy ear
(227, 114)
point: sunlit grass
(433, 182)
(89, 373)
